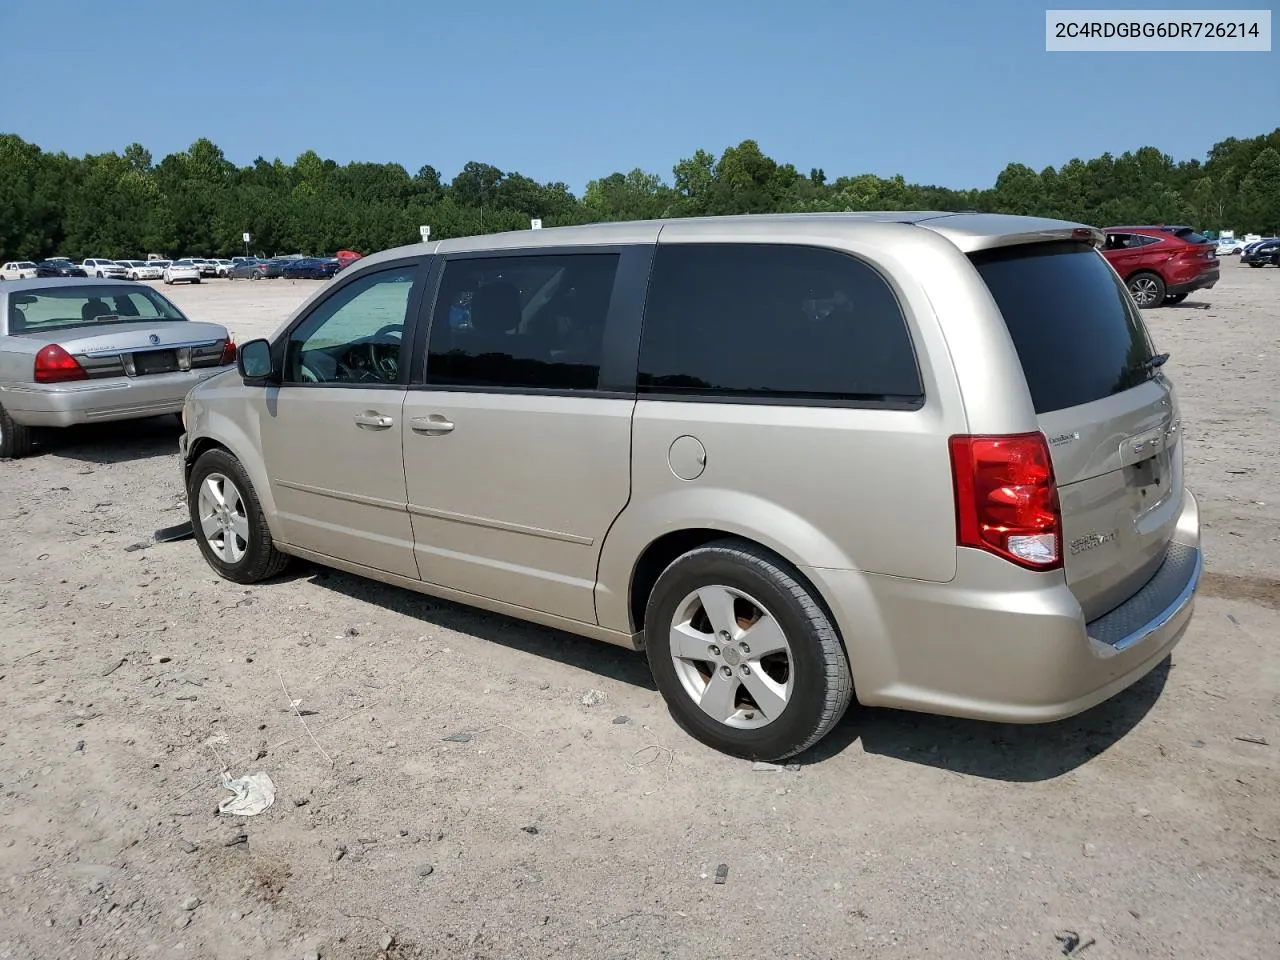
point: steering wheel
(383, 367)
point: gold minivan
(929, 460)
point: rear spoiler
(973, 232)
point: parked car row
(290, 268)
(1262, 252)
(183, 270)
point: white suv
(18, 270)
(103, 269)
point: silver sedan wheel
(732, 657)
(223, 520)
(1143, 290)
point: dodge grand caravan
(927, 460)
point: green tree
(476, 185)
(196, 201)
(1259, 202)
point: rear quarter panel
(17, 354)
(17, 360)
(867, 490)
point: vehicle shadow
(609, 661)
(1017, 753)
(122, 441)
(995, 751)
(1193, 305)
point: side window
(354, 336)
(534, 321)
(781, 322)
(135, 305)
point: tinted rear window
(1077, 332)
(1189, 235)
(774, 323)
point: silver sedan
(89, 350)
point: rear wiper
(1146, 369)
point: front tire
(228, 522)
(1147, 290)
(16, 440)
(745, 655)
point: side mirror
(254, 361)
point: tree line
(198, 203)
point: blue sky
(941, 92)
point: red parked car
(1161, 264)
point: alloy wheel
(1143, 290)
(732, 657)
(223, 520)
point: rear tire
(1147, 290)
(1254, 264)
(756, 669)
(16, 440)
(228, 522)
(196, 280)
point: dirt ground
(131, 676)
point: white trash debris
(253, 794)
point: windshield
(91, 305)
(1077, 332)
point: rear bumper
(94, 401)
(998, 643)
(1203, 282)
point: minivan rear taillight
(55, 365)
(1006, 498)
